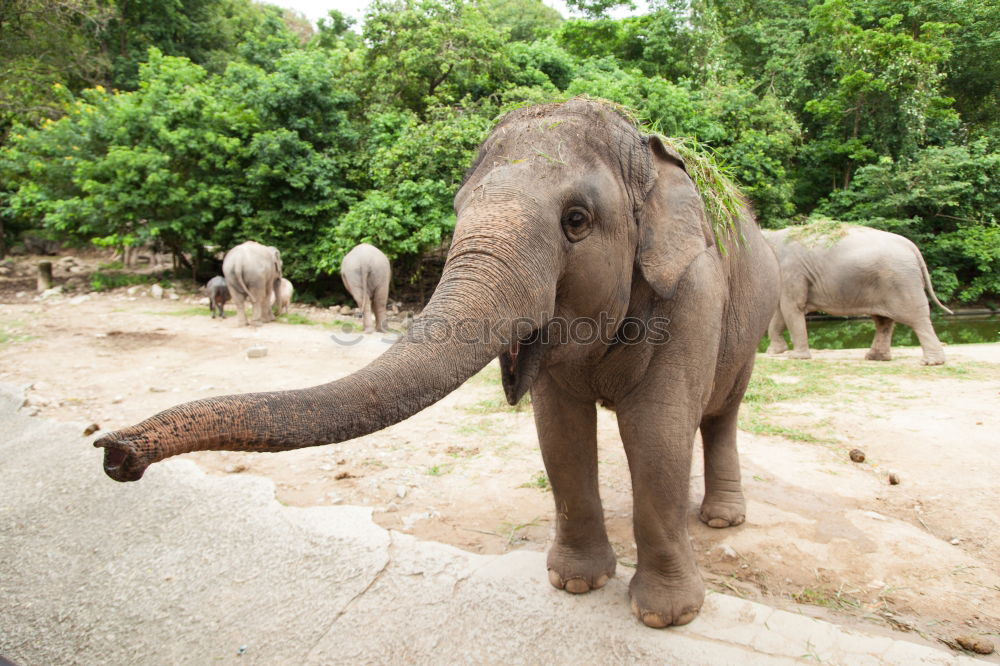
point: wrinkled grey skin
(253, 273)
(568, 214)
(861, 272)
(366, 273)
(218, 296)
(282, 297)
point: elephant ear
(673, 228)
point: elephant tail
(238, 275)
(928, 286)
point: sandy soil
(823, 533)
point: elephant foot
(774, 350)
(719, 513)
(873, 355)
(579, 570)
(661, 601)
(801, 355)
(936, 359)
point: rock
(76, 300)
(236, 468)
(955, 541)
(401, 492)
(133, 290)
(893, 478)
(346, 309)
(91, 429)
(258, 351)
(727, 551)
(5, 271)
(54, 291)
(391, 508)
(857, 455)
(174, 297)
(206, 387)
(156, 291)
(118, 398)
(157, 389)
(975, 644)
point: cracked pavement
(182, 567)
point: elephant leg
(367, 319)
(932, 348)
(882, 344)
(261, 305)
(667, 588)
(379, 298)
(581, 558)
(240, 301)
(776, 334)
(724, 504)
(795, 318)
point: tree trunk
(44, 276)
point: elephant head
(567, 214)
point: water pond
(827, 332)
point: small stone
(893, 479)
(157, 389)
(174, 297)
(401, 492)
(258, 351)
(117, 399)
(955, 541)
(242, 650)
(727, 551)
(76, 300)
(156, 291)
(91, 429)
(49, 293)
(975, 644)
(236, 468)
(325, 468)
(857, 455)
(346, 309)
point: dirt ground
(825, 534)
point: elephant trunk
(486, 300)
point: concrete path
(184, 568)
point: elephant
(253, 273)
(282, 296)
(366, 272)
(582, 257)
(218, 295)
(846, 269)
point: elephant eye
(577, 224)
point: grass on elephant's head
(819, 231)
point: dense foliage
(194, 125)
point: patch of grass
(836, 600)
(513, 530)
(499, 406)
(183, 312)
(105, 281)
(344, 326)
(10, 333)
(490, 375)
(481, 427)
(540, 481)
(295, 318)
(439, 470)
(111, 266)
(759, 425)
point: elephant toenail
(718, 522)
(577, 586)
(556, 579)
(601, 581)
(654, 620)
(684, 618)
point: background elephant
(218, 295)
(253, 273)
(366, 272)
(282, 296)
(845, 269)
(583, 258)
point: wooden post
(44, 275)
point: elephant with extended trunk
(253, 273)
(845, 269)
(583, 258)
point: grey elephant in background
(282, 297)
(583, 258)
(218, 296)
(366, 272)
(253, 273)
(845, 269)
